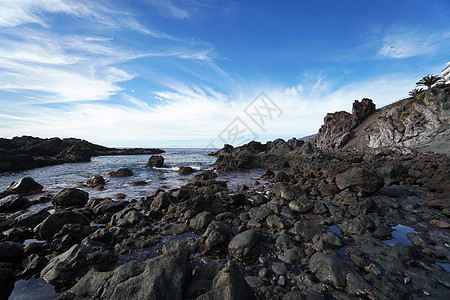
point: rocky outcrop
(418, 124)
(26, 152)
(155, 161)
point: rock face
(155, 161)
(421, 124)
(70, 197)
(26, 152)
(25, 186)
(13, 203)
(163, 277)
(54, 223)
(360, 180)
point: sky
(202, 73)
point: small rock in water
(25, 186)
(155, 161)
(186, 170)
(123, 172)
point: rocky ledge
(420, 124)
(22, 153)
(330, 225)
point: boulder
(205, 175)
(201, 220)
(69, 197)
(13, 203)
(329, 269)
(68, 236)
(217, 234)
(11, 252)
(301, 205)
(360, 180)
(96, 181)
(54, 223)
(161, 201)
(186, 170)
(122, 172)
(64, 269)
(163, 277)
(219, 279)
(31, 218)
(155, 161)
(243, 247)
(25, 186)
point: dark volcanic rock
(96, 181)
(122, 172)
(360, 180)
(13, 203)
(25, 186)
(243, 246)
(26, 152)
(11, 252)
(155, 161)
(54, 223)
(7, 280)
(186, 170)
(31, 218)
(164, 277)
(70, 197)
(71, 265)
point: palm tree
(429, 80)
(416, 93)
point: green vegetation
(429, 80)
(417, 93)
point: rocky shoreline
(26, 152)
(324, 227)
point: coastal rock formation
(26, 152)
(70, 197)
(418, 124)
(155, 161)
(122, 172)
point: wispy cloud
(411, 43)
(169, 10)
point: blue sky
(170, 73)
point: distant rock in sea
(26, 152)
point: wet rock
(69, 197)
(260, 213)
(125, 218)
(201, 220)
(161, 201)
(96, 181)
(108, 237)
(54, 223)
(64, 269)
(7, 280)
(345, 197)
(360, 180)
(205, 175)
(171, 229)
(33, 266)
(243, 246)
(68, 236)
(11, 252)
(163, 277)
(108, 208)
(155, 161)
(307, 230)
(13, 203)
(31, 218)
(17, 234)
(219, 280)
(122, 172)
(186, 170)
(357, 225)
(301, 205)
(217, 234)
(329, 269)
(25, 186)
(362, 208)
(275, 222)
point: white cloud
(411, 43)
(19, 12)
(169, 10)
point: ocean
(55, 178)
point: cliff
(26, 152)
(418, 124)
